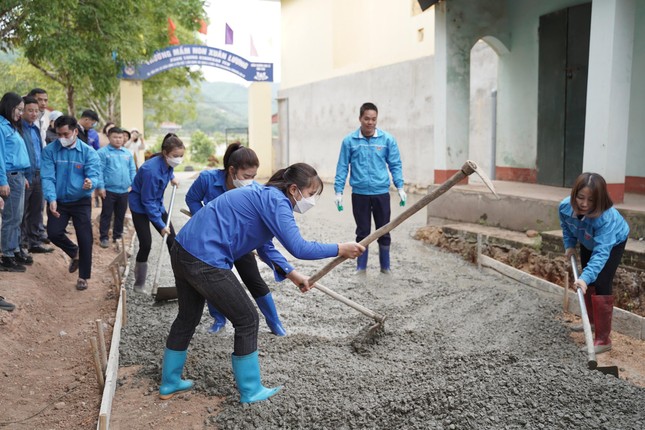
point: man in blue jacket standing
(70, 170)
(368, 153)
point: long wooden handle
(362, 309)
(466, 170)
(591, 352)
(155, 283)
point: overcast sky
(259, 19)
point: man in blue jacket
(368, 153)
(118, 170)
(70, 170)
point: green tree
(83, 45)
(201, 147)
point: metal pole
(493, 152)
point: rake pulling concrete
(592, 364)
(372, 330)
(165, 293)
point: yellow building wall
(329, 38)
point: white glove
(339, 201)
(403, 196)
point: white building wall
(321, 114)
(323, 39)
(636, 139)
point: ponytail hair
(170, 141)
(300, 174)
(240, 157)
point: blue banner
(199, 55)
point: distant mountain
(223, 105)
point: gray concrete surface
(462, 349)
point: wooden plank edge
(112, 372)
(625, 322)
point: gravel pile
(461, 349)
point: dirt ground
(46, 367)
(629, 285)
(461, 349)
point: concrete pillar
(132, 110)
(260, 125)
(452, 94)
(608, 92)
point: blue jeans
(14, 208)
(196, 282)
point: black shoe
(39, 249)
(25, 259)
(5, 305)
(81, 284)
(104, 243)
(46, 240)
(9, 264)
(73, 266)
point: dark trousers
(142, 227)
(32, 219)
(196, 282)
(365, 207)
(247, 267)
(116, 204)
(605, 279)
(81, 214)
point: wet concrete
(461, 349)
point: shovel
(165, 293)
(592, 364)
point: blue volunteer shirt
(148, 187)
(63, 171)
(244, 219)
(13, 152)
(209, 185)
(117, 168)
(31, 135)
(599, 235)
(369, 159)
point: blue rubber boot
(220, 320)
(361, 263)
(246, 369)
(172, 367)
(384, 258)
(267, 307)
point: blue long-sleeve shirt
(63, 171)
(244, 219)
(13, 151)
(599, 235)
(117, 168)
(209, 185)
(31, 136)
(369, 159)
(148, 187)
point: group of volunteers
(234, 219)
(53, 162)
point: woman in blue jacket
(146, 201)
(588, 216)
(226, 229)
(14, 163)
(240, 167)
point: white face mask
(67, 142)
(174, 161)
(304, 204)
(239, 183)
